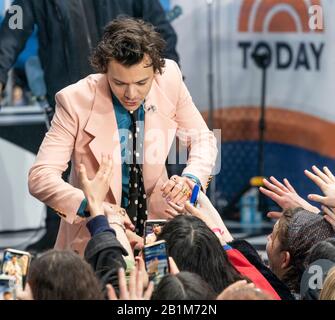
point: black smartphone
(16, 263)
(152, 228)
(156, 261)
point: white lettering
(316, 17)
(16, 20)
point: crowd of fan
(205, 261)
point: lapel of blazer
(103, 127)
(159, 133)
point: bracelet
(218, 230)
(119, 224)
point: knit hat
(305, 230)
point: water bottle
(249, 214)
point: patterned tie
(137, 208)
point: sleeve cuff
(98, 225)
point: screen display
(7, 288)
(16, 263)
(152, 229)
(156, 261)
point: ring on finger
(186, 192)
(182, 193)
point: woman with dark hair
(183, 286)
(61, 275)
(195, 248)
(214, 225)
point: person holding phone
(134, 108)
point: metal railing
(22, 115)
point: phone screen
(152, 229)
(7, 288)
(16, 263)
(156, 261)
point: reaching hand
(95, 190)
(25, 294)
(204, 211)
(329, 216)
(140, 264)
(134, 291)
(135, 240)
(188, 208)
(285, 195)
(274, 214)
(207, 208)
(326, 182)
(196, 212)
(113, 211)
(201, 215)
(177, 189)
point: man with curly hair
(132, 108)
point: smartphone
(156, 261)
(7, 287)
(16, 263)
(152, 228)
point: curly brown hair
(127, 40)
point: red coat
(241, 263)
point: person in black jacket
(252, 255)
(67, 33)
(107, 249)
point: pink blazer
(84, 126)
